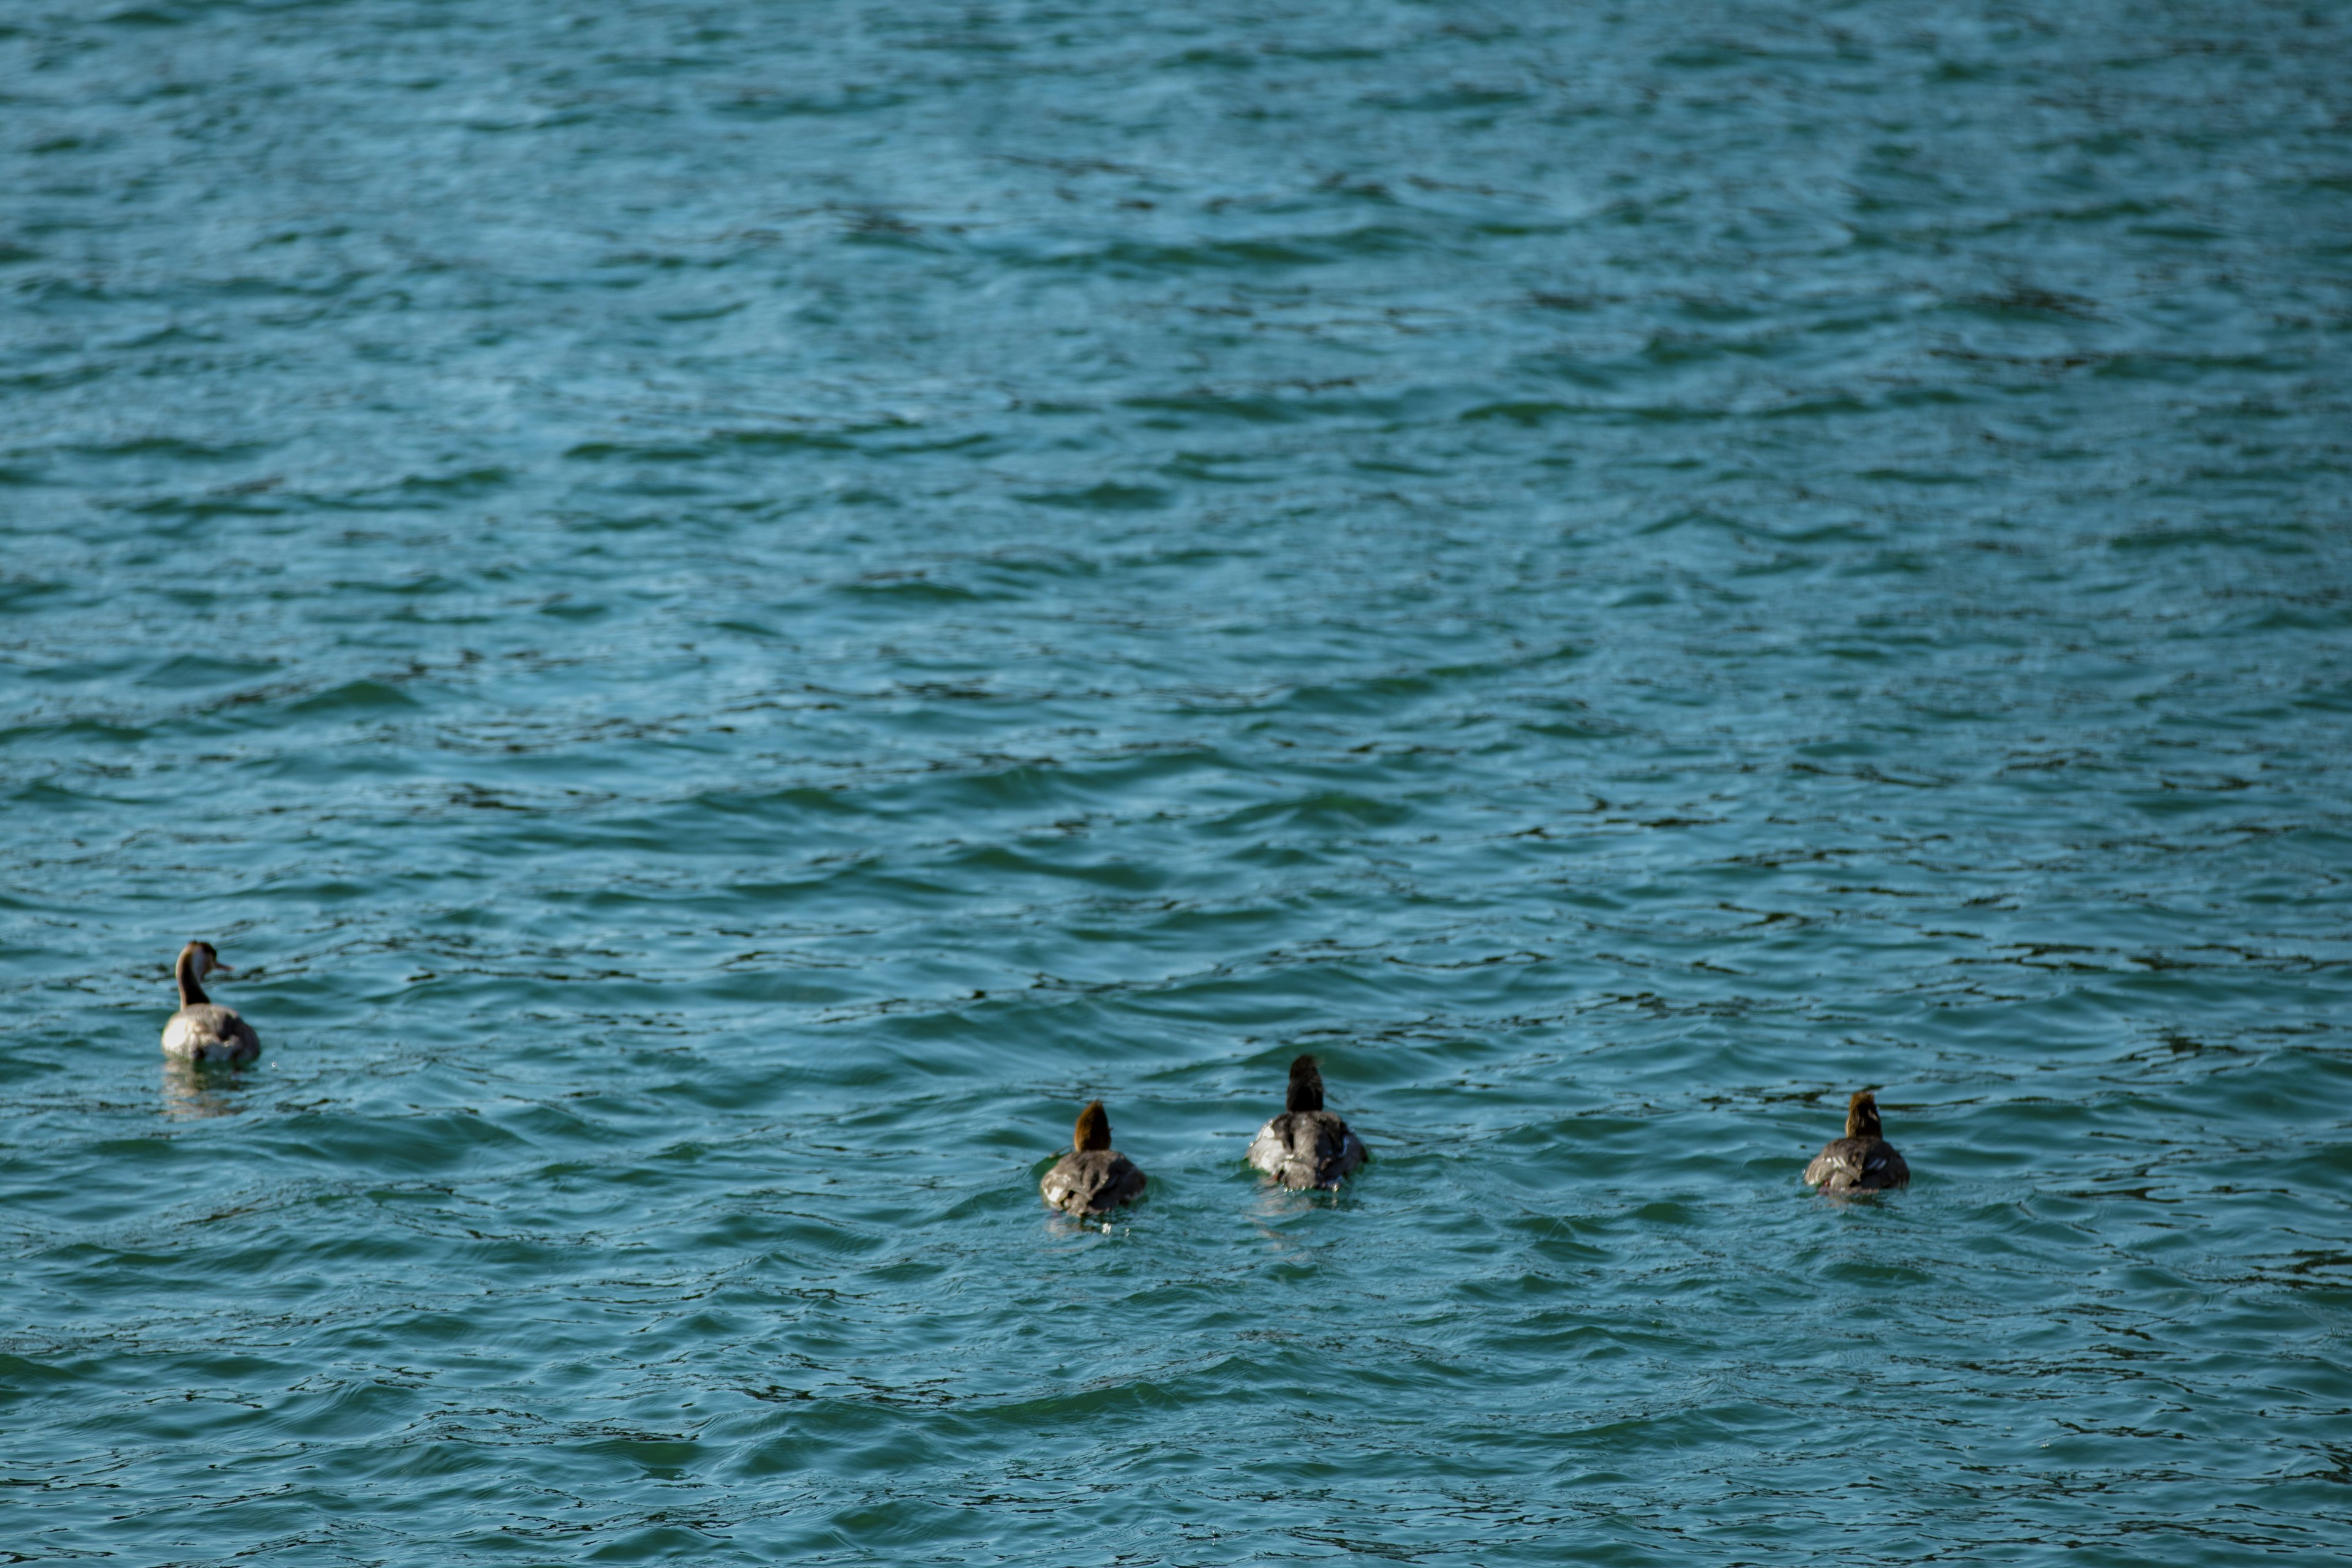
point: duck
(1306, 1146)
(203, 1030)
(1093, 1177)
(1862, 1161)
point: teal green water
(731, 610)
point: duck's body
(1861, 1161)
(203, 1030)
(1093, 1177)
(1306, 1145)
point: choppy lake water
(731, 609)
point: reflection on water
(194, 1092)
(735, 609)
(1072, 1226)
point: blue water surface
(730, 609)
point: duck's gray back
(1091, 1180)
(1307, 1148)
(209, 1032)
(1857, 1165)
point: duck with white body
(203, 1030)
(1306, 1145)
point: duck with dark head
(203, 1030)
(1306, 1145)
(1093, 1177)
(1862, 1161)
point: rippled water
(732, 609)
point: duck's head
(1305, 1086)
(201, 958)
(1094, 1128)
(1861, 1115)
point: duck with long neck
(1862, 1161)
(1093, 1177)
(203, 1030)
(1306, 1146)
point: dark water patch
(759, 104)
(1380, 694)
(998, 866)
(2025, 301)
(1527, 412)
(463, 485)
(1104, 497)
(412, 583)
(914, 590)
(2181, 369)
(44, 796)
(664, 452)
(1331, 810)
(77, 671)
(1818, 408)
(1262, 410)
(1030, 572)
(790, 807)
(1265, 253)
(155, 16)
(1915, 477)
(166, 448)
(231, 503)
(356, 697)
(789, 440)
(1453, 98)
(188, 671)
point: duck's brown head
(196, 960)
(203, 957)
(1094, 1128)
(1861, 1115)
(1305, 1086)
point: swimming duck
(1306, 1146)
(202, 1030)
(1093, 1177)
(1862, 1161)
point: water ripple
(728, 614)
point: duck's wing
(1091, 1180)
(1857, 1165)
(1834, 1167)
(1303, 1149)
(1125, 1183)
(1064, 1185)
(208, 1029)
(1269, 1149)
(1338, 1151)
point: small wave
(354, 698)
